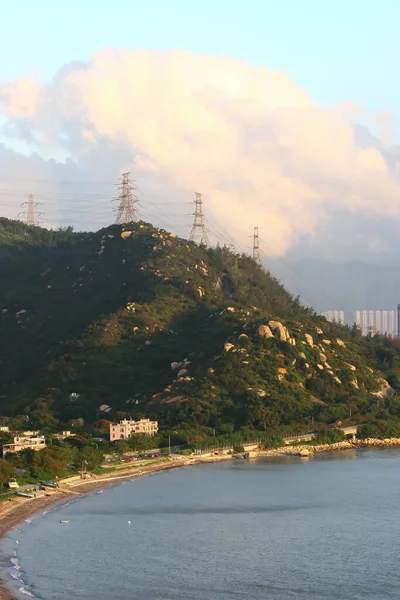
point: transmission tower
(30, 214)
(256, 247)
(126, 211)
(199, 230)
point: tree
(6, 471)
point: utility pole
(126, 211)
(256, 247)
(199, 229)
(30, 213)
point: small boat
(24, 494)
(48, 484)
(13, 484)
(65, 521)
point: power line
(199, 229)
(126, 212)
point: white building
(21, 442)
(126, 428)
(334, 316)
(377, 321)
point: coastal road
(352, 430)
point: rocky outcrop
(279, 330)
(265, 331)
(281, 373)
(351, 367)
(385, 392)
(309, 339)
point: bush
(329, 436)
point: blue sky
(336, 50)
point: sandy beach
(17, 509)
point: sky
(287, 115)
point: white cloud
(250, 139)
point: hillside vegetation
(135, 321)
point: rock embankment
(309, 450)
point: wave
(15, 562)
(14, 576)
(26, 592)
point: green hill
(137, 320)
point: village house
(21, 442)
(126, 428)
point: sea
(324, 528)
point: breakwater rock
(310, 449)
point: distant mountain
(347, 286)
(137, 321)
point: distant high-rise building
(334, 316)
(378, 321)
(398, 322)
(385, 322)
(364, 322)
(371, 322)
(392, 323)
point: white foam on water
(23, 590)
(16, 564)
(14, 576)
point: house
(64, 434)
(21, 442)
(126, 428)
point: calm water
(320, 529)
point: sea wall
(307, 450)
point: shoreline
(18, 509)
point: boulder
(228, 346)
(264, 331)
(281, 373)
(302, 355)
(319, 330)
(304, 453)
(176, 365)
(182, 372)
(351, 367)
(280, 330)
(309, 339)
(327, 342)
(125, 234)
(340, 343)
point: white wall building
(21, 442)
(377, 321)
(336, 316)
(126, 428)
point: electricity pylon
(199, 230)
(126, 211)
